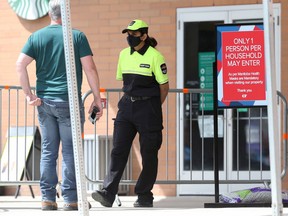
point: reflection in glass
(250, 139)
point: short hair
(55, 9)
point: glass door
(195, 57)
(195, 47)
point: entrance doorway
(245, 134)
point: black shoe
(105, 198)
(143, 203)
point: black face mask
(133, 41)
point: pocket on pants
(63, 115)
(42, 114)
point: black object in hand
(92, 116)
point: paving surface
(166, 206)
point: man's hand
(33, 100)
(99, 106)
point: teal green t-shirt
(46, 46)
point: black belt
(136, 98)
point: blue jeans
(55, 125)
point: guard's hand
(33, 100)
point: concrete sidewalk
(168, 206)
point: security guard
(143, 71)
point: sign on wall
(29, 9)
(240, 65)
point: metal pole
(74, 108)
(274, 145)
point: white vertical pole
(74, 108)
(274, 144)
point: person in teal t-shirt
(46, 47)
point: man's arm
(164, 88)
(21, 68)
(93, 81)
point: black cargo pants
(144, 117)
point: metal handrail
(285, 131)
(184, 91)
